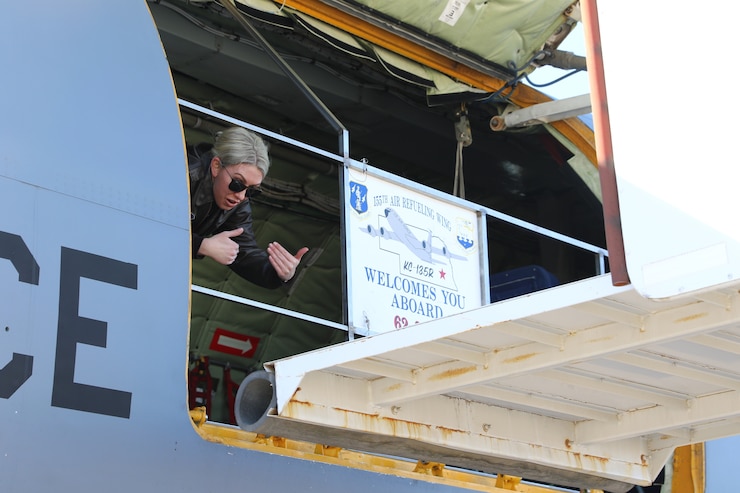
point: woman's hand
(283, 261)
(221, 247)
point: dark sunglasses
(237, 186)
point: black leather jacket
(207, 219)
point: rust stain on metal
(454, 372)
(302, 403)
(372, 419)
(602, 460)
(398, 426)
(393, 426)
(412, 429)
(521, 357)
(592, 460)
(600, 339)
(357, 413)
(580, 458)
(692, 317)
(577, 457)
(393, 388)
(448, 431)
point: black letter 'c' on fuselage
(74, 329)
(19, 369)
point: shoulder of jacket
(198, 157)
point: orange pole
(603, 141)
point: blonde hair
(237, 145)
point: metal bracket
(543, 113)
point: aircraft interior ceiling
(395, 124)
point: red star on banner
(442, 274)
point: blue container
(519, 281)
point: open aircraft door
(672, 152)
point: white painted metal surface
(575, 384)
(676, 170)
